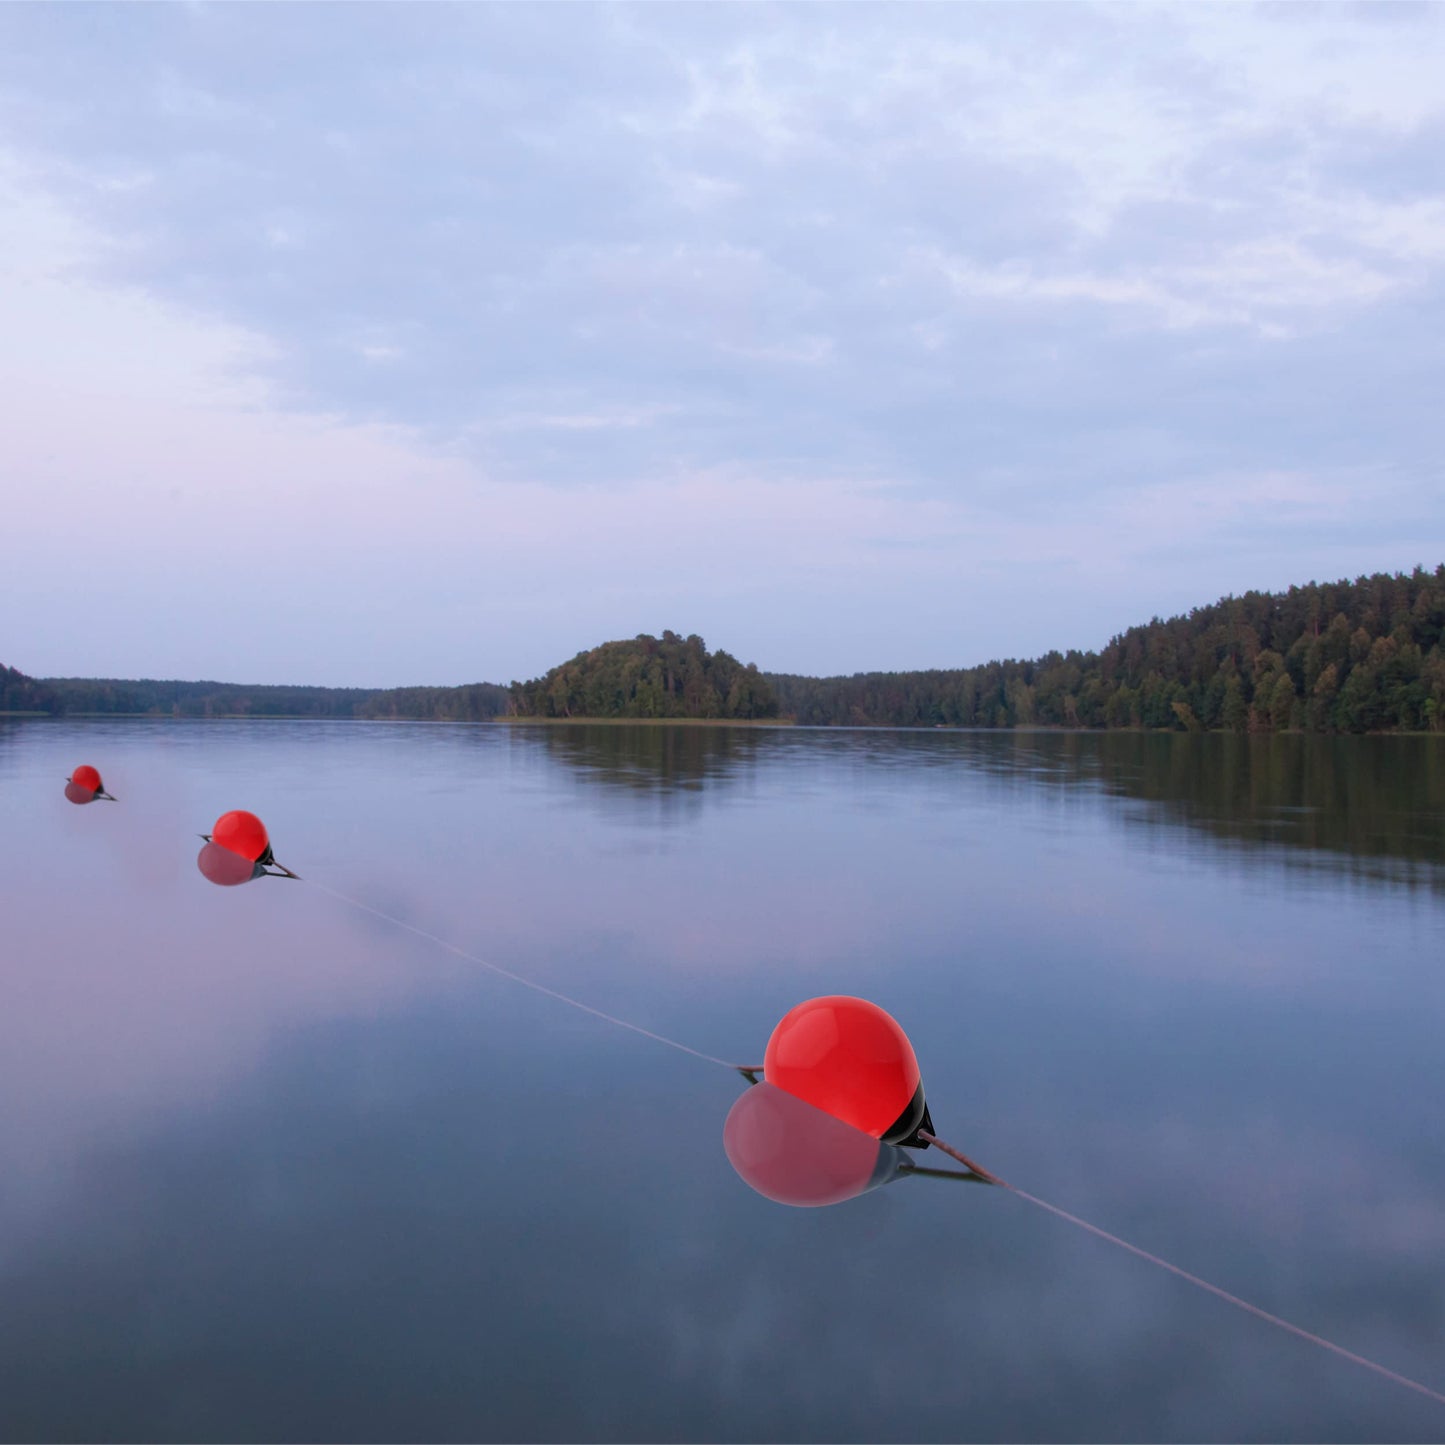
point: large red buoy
(849, 1058)
(243, 833)
(795, 1154)
(84, 785)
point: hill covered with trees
(1347, 657)
(648, 677)
(19, 693)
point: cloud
(1003, 262)
(1263, 286)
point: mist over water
(274, 1168)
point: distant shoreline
(691, 722)
(716, 722)
(237, 717)
(713, 722)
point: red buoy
(795, 1154)
(84, 785)
(226, 869)
(242, 833)
(849, 1058)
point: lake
(275, 1168)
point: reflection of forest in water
(1372, 806)
(673, 764)
(1378, 801)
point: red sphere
(77, 794)
(242, 833)
(847, 1057)
(86, 776)
(795, 1154)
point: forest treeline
(1347, 657)
(154, 698)
(19, 693)
(472, 702)
(1337, 657)
(148, 697)
(649, 677)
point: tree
(1234, 714)
(1282, 702)
(649, 677)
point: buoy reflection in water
(225, 868)
(793, 1153)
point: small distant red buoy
(792, 1153)
(849, 1058)
(84, 785)
(227, 869)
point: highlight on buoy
(84, 785)
(852, 1060)
(243, 835)
(792, 1153)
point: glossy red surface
(242, 833)
(847, 1057)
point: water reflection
(227, 869)
(1377, 801)
(261, 1166)
(792, 1153)
(668, 764)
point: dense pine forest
(183, 699)
(473, 702)
(148, 698)
(649, 677)
(1348, 657)
(19, 693)
(1339, 657)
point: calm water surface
(273, 1168)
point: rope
(527, 982)
(1194, 1279)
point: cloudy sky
(379, 346)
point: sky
(379, 346)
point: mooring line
(1252, 1309)
(1194, 1279)
(527, 982)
